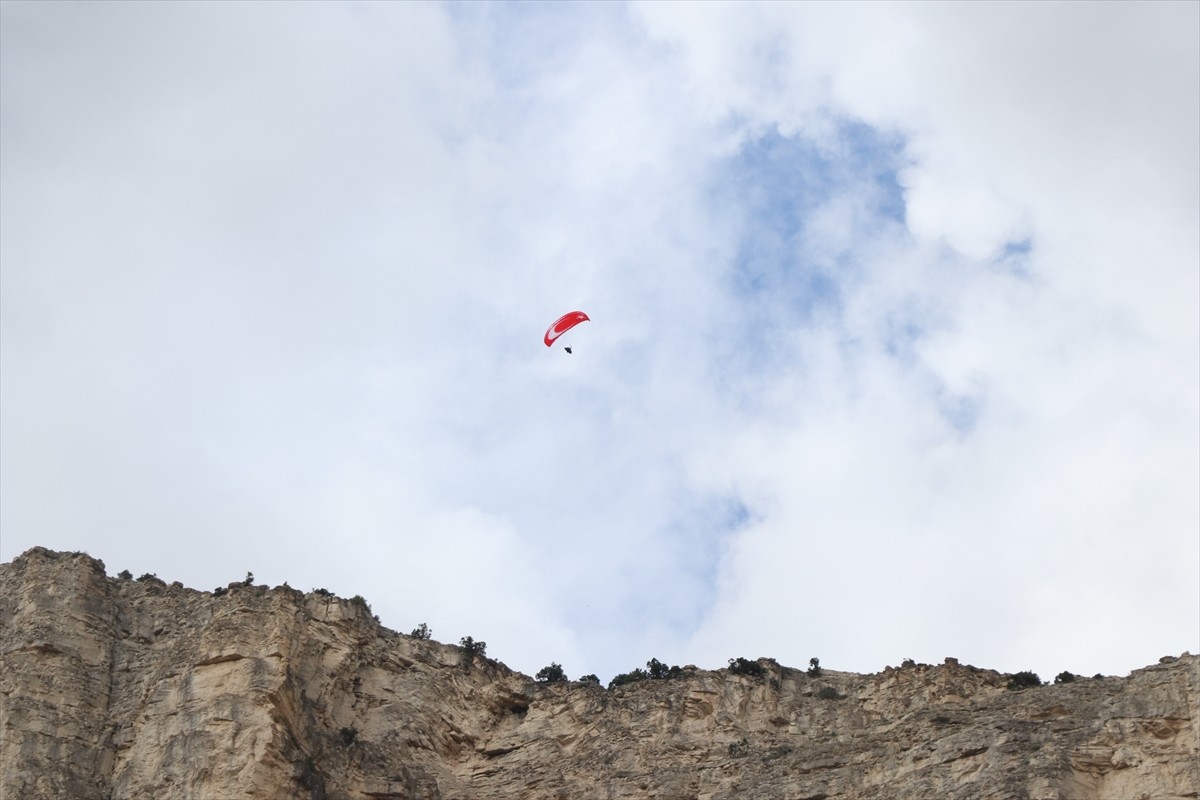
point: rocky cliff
(114, 688)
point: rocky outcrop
(118, 689)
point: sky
(894, 338)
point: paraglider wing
(564, 324)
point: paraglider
(562, 325)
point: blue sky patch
(782, 275)
(1014, 257)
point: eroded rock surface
(117, 689)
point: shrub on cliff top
(655, 670)
(743, 666)
(471, 648)
(659, 671)
(422, 631)
(551, 674)
(1024, 680)
(638, 674)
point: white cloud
(1081, 367)
(275, 277)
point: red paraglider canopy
(564, 324)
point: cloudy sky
(894, 347)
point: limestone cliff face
(113, 689)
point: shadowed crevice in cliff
(114, 688)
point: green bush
(125, 575)
(589, 679)
(742, 666)
(1024, 680)
(655, 670)
(829, 693)
(219, 591)
(422, 631)
(636, 675)
(1064, 677)
(360, 601)
(814, 667)
(551, 674)
(659, 671)
(471, 648)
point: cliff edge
(115, 689)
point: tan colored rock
(125, 690)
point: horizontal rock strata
(117, 689)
